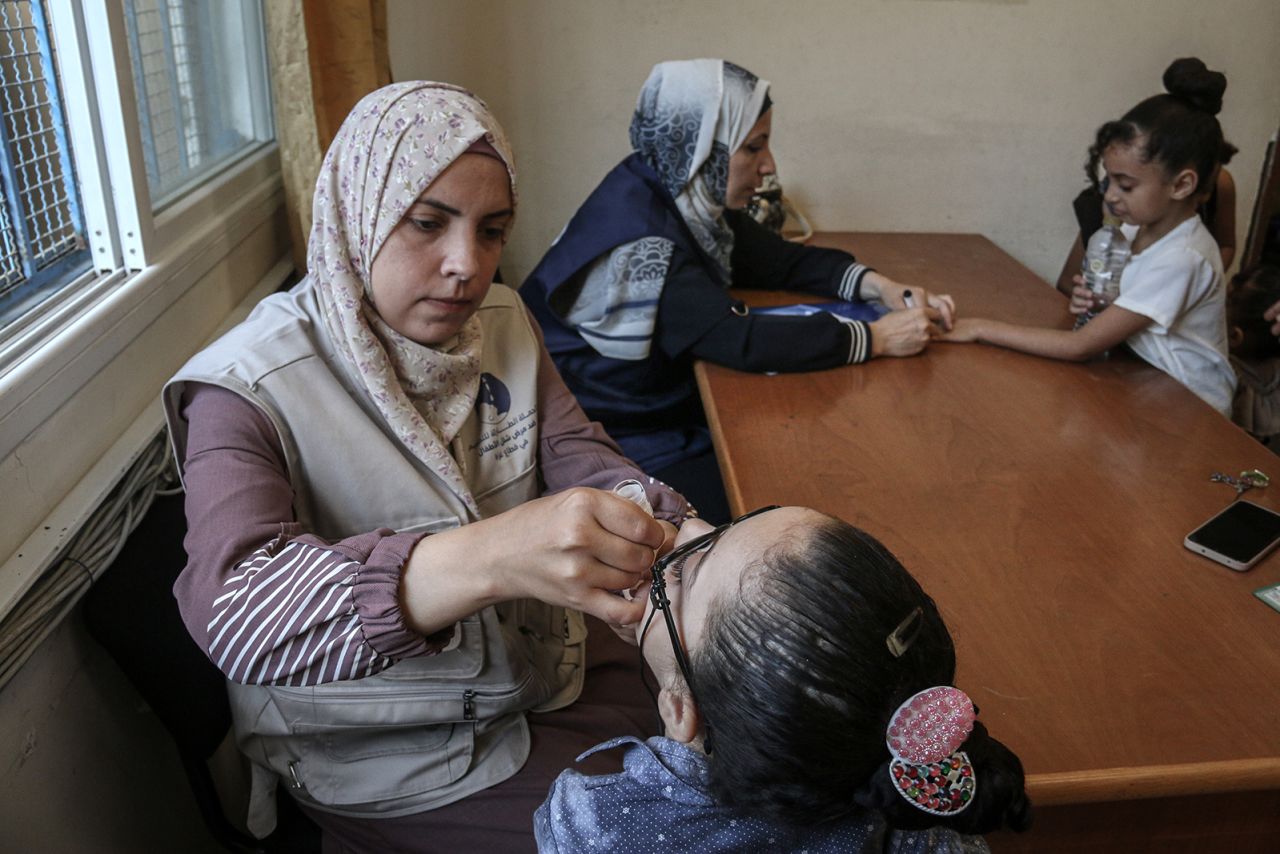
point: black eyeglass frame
(658, 597)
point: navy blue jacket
(640, 403)
(651, 406)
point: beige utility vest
(429, 730)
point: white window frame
(142, 261)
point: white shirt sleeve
(1163, 287)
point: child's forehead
(1129, 155)
(748, 542)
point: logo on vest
(505, 433)
(494, 400)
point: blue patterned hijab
(690, 118)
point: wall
(85, 764)
(896, 115)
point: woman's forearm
(268, 602)
(446, 578)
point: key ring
(1255, 478)
(1250, 479)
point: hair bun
(1191, 82)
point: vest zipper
(468, 705)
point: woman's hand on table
(894, 296)
(906, 332)
(571, 549)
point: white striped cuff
(859, 340)
(851, 281)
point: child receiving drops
(804, 686)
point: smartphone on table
(1238, 536)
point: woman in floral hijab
(370, 563)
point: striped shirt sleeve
(287, 617)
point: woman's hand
(669, 533)
(628, 631)
(904, 333)
(894, 295)
(571, 549)
(945, 305)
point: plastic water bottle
(1104, 260)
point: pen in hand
(907, 299)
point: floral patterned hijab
(390, 148)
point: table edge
(1161, 781)
(732, 490)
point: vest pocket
(464, 661)
(378, 765)
(420, 726)
(418, 526)
(371, 746)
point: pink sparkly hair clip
(924, 736)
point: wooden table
(1043, 505)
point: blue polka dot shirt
(660, 802)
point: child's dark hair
(798, 681)
(1181, 128)
(1252, 292)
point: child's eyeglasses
(658, 596)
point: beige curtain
(325, 56)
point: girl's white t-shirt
(1177, 282)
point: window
(40, 221)
(196, 67)
(116, 113)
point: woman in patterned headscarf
(634, 289)
(370, 563)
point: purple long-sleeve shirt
(273, 604)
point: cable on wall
(86, 556)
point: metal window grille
(179, 55)
(43, 242)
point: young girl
(1170, 310)
(797, 658)
(1217, 204)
